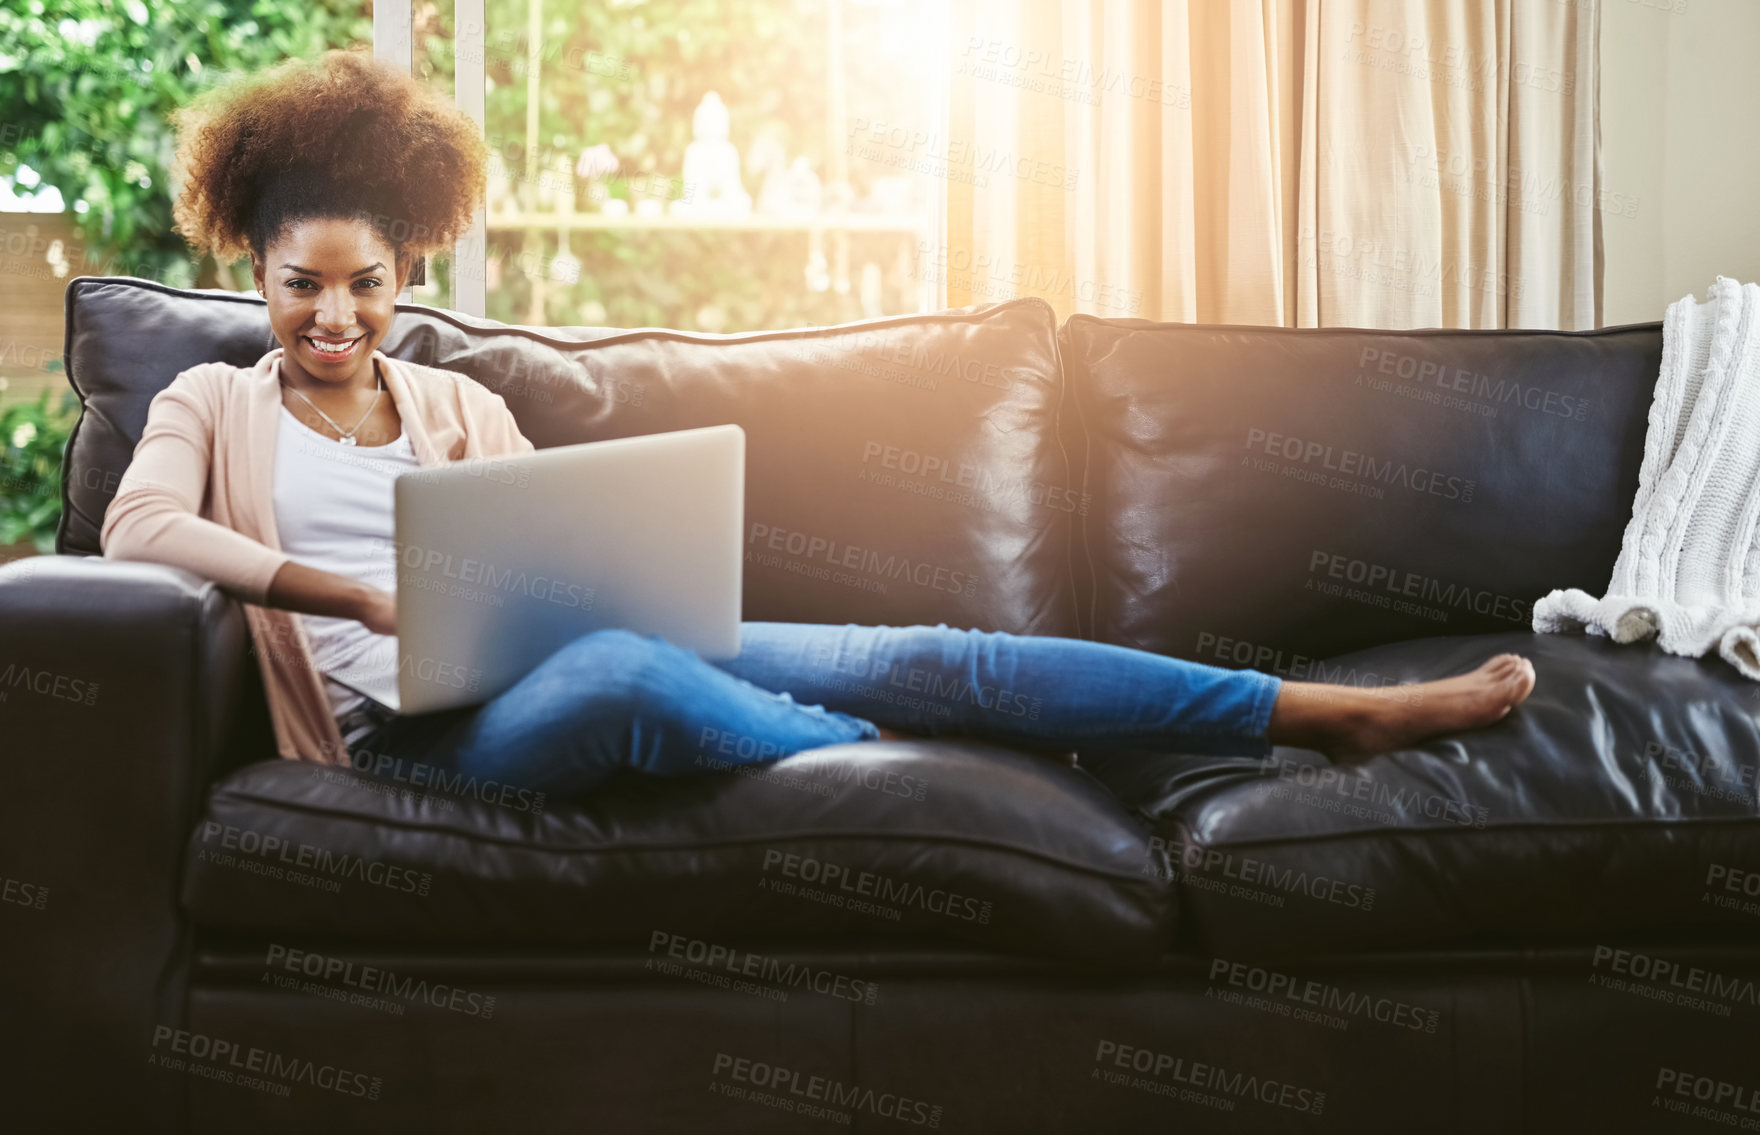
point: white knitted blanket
(1688, 571)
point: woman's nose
(335, 313)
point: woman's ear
(411, 272)
(257, 277)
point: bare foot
(892, 735)
(1347, 721)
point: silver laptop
(501, 561)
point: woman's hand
(380, 614)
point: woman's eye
(302, 284)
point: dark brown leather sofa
(1550, 925)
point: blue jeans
(614, 700)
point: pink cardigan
(199, 495)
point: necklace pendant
(346, 440)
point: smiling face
(332, 287)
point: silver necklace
(347, 437)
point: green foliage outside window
(32, 438)
(88, 86)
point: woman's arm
(154, 518)
(297, 587)
(493, 431)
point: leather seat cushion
(947, 840)
(1621, 794)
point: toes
(1516, 681)
(1514, 671)
(1493, 669)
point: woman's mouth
(334, 350)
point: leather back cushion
(899, 471)
(1267, 497)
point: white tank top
(333, 511)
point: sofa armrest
(119, 687)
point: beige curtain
(1371, 163)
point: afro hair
(340, 136)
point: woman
(276, 482)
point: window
(701, 165)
